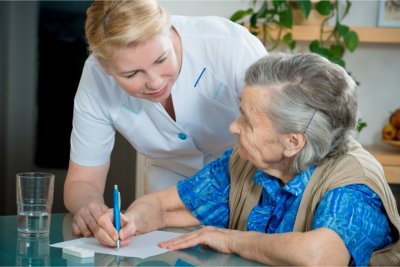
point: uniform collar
(271, 184)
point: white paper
(141, 246)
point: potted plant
(266, 16)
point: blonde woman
(171, 85)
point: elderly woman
(298, 190)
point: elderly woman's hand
(106, 233)
(222, 240)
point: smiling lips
(159, 93)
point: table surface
(19, 251)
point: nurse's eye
(131, 75)
(161, 60)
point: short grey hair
(312, 95)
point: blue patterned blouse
(354, 212)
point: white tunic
(206, 98)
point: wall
(18, 33)
(3, 55)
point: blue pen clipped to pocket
(117, 216)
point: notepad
(141, 246)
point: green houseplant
(278, 15)
(267, 16)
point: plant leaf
(292, 45)
(340, 62)
(287, 37)
(241, 14)
(313, 45)
(361, 125)
(305, 7)
(351, 40)
(286, 18)
(288, 40)
(325, 52)
(348, 5)
(337, 51)
(324, 7)
(262, 12)
(253, 20)
(277, 3)
(317, 49)
(342, 29)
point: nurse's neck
(169, 107)
(177, 44)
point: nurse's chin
(160, 99)
(159, 94)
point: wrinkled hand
(106, 233)
(217, 238)
(85, 219)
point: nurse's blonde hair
(115, 24)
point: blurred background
(42, 52)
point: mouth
(159, 93)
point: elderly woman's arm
(150, 212)
(318, 247)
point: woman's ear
(293, 143)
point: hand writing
(106, 232)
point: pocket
(214, 89)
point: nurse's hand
(85, 219)
(106, 233)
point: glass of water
(34, 202)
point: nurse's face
(149, 69)
(258, 140)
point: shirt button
(182, 136)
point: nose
(154, 80)
(234, 127)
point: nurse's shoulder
(93, 75)
(96, 88)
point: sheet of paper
(141, 246)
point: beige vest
(357, 166)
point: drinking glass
(34, 202)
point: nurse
(171, 85)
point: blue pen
(117, 204)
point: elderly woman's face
(258, 141)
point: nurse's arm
(158, 210)
(83, 196)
